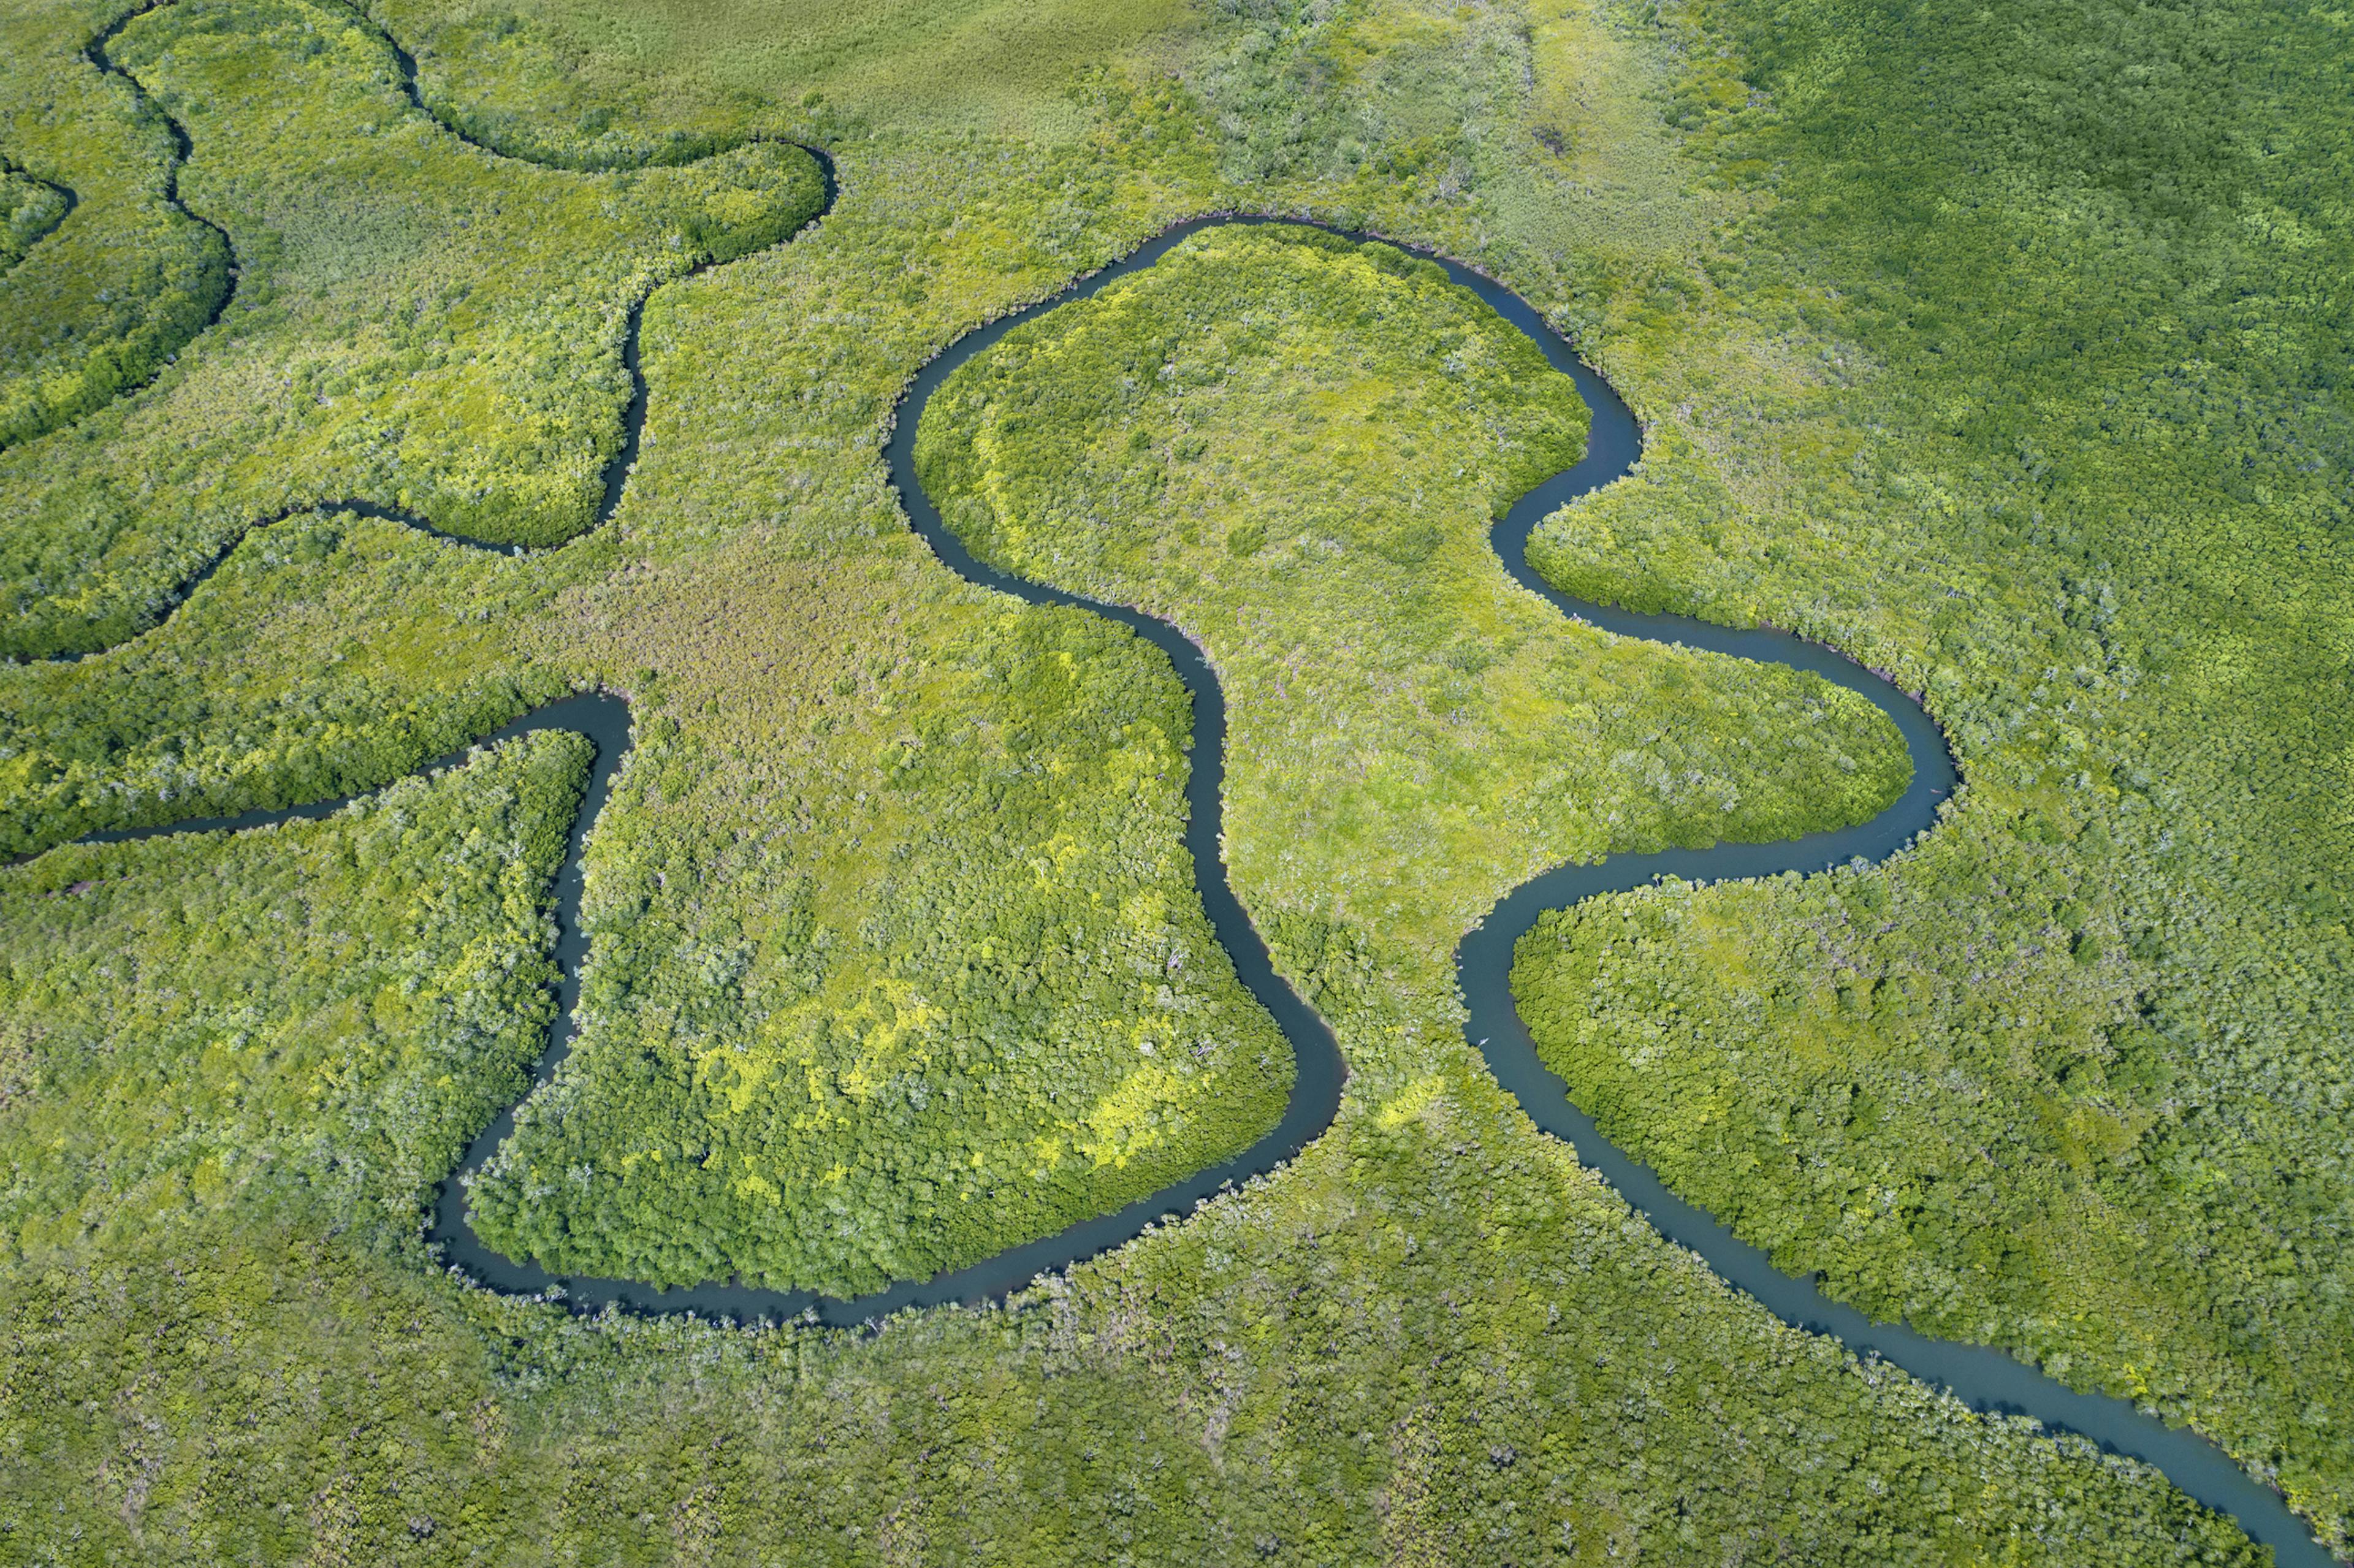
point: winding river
(616, 477)
(67, 201)
(1986, 1378)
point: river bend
(612, 483)
(1986, 1378)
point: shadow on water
(1986, 1378)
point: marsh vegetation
(2040, 406)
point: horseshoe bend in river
(1988, 1379)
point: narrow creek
(1986, 1378)
(68, 199)
(613, 482)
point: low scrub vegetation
(313, 1016)
(2022, 384)
(417, 322)
(103, 303)
(1292, 446)
(329, 653)
(945, 985)
(587, 87)
(2063, 453)
(29, 208)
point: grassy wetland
(1292, 446)
(1997, 425)
(417, 323)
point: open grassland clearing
(590, 85)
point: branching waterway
(1986, 1378)
(613, 482)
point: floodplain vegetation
(330, 652)
(2072, 1076)
(808, 1126)
(315, 1015)
(1292, 446)
(418, 324)
(1431, 1338)
(29, 208)
(117, 288)
(585, 86)
(967, 997)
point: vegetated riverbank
(122, 362)
(2075, 1079)
(1988, 1378)
(1985, 1377)
(93, 323)
(310, 1017)
(496, 285)
(616, 475)
(650, 1136)
(30, 209)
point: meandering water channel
(68, 199)
(614, 482)
(1986, 1378)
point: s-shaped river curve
(1986, 1378)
